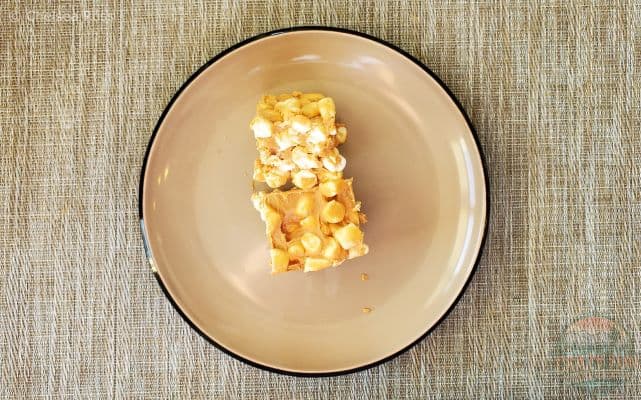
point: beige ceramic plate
(417, 169)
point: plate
(417, 168)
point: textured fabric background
(551, 86)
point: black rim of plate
(348, 32)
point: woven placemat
(554, 310)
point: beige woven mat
(553, 88)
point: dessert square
(312, 229)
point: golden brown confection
(316, 224)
